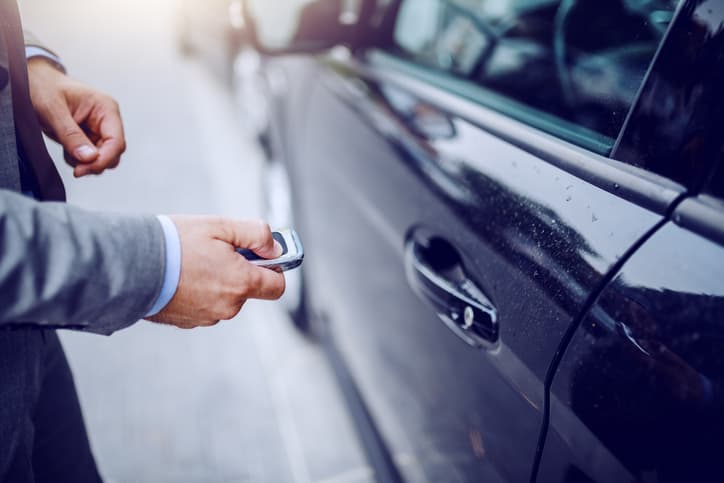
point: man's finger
(265, 284)
(108, 128)
(254, 235)
(82, 170)
(113, 139)
(111, 147)
(111, 151)
(72, 137)
(97, 167)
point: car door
(638, 395)
(460, 210)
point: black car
(513, 213)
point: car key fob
(292, 252)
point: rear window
(569, 67)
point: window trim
(633, 184)
(561, 128)
(703, 215)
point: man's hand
(86, 122)
(215, 280)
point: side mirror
(302, 26)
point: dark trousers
(43, 433)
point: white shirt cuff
(35, 51)
(172, 274)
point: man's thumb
(254, 235)
(74, 140)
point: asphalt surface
(247, 401)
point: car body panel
(381, 160)
(642, 378)
(378, 165)
(637, 395)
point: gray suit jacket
(62, 266)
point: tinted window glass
(571, 67)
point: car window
(570, 67)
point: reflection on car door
(452, 246)
(638, 396)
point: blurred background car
(213, 29)
(214, 32)
(513, 226)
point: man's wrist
(172, 272)
(35, 52)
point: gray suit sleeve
(62, 266)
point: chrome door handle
(436, 274)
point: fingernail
(278, 250)
(85, 152)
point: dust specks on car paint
(476, 441)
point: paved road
(248, 401)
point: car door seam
(578, 320)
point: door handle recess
(436, 274)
